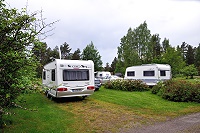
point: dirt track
(185, 124)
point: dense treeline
(138, 47)
(45, 54)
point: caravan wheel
(47, 94)
(83, 97)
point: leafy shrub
(190, 70)
(127, 85)
(157, 88)
(18, 64)
(179, 91)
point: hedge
(126, 85)
(178, 91)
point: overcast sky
(105, 22)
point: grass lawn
(105, 110)
(196, 79)
(39, 115)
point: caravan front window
(75, 75)
(148, 73)
(131, 73)
(162, 73)
(44, 75)
(53, 75)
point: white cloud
(105, 22)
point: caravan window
(148, 73)
(162, 73)
(53, 75)
(131, 73)
(75, 75)
(44, 75)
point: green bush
(178, 90)
(155, 89)
(127, 85)
(19, 33)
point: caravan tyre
(96, 89)
(47, 94)
(83, 97)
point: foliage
(155, 89)
(39, 51)
(183, 50)
(178, 91)
(18, 31)
(156, 47)
(187, 53)
(113, 65)
(126, 85)
(189, 71)
(76, 55)
(65, 51)
(197, 57)
(135, 47)
(139, 47)
(54, 53)
(174, 59)
(120, 67)
(107, 67)
(165, 45)
(190, 55)
(91, 53)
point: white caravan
(102, 74)
(69, 78)
(150, 74)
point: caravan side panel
(150, 74)
(50, 76)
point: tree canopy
(189, 71)
(65, 51)
(140, 47)
(91, 53)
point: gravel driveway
(185, 124)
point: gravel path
(185, 124)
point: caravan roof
(160, 66)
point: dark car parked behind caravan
(97, 83)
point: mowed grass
(38, 114)
(105, 111)
(143, 102)
(196, 79)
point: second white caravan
(150, 74)
(69, 78)
(102, 74)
